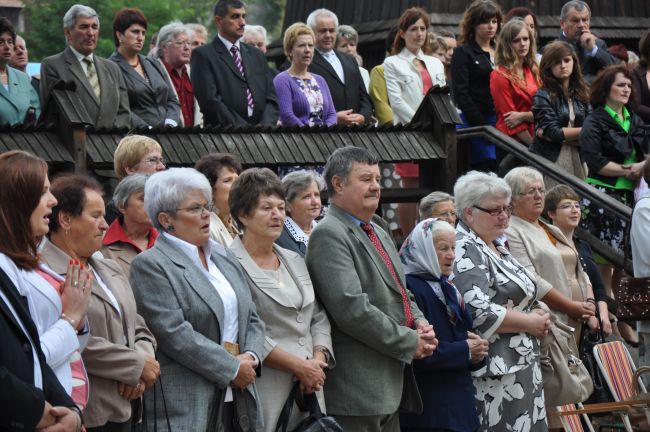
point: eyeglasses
(182, 43)
(496, 211)
(533, 192)
(569, 206)
(154, 161)
(197, 209)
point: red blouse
(509, 96)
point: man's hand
(347, 117)
(150, 372)
(246, 374)
(588, 40)
(478, 347)
(66, 420)
(47, 419)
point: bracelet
(325, 352)
(591, 300)
(70, 321)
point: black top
(642, 92)
(470, 71)
(551, 115)
(591, 268)
(603, 140)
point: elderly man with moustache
(99, 82)
(377, 328)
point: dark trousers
(112, 427)
(379, 423)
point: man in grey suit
(377, 329)
(232, 81)
(99, 82)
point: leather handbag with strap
(632, 293)
(566, 380)
(315, 422)
(588, 340)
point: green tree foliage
(44, 20)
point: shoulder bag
(588, 340)
(315, 422)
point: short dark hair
(125, 18)
(70, 191)
(340, 163)
(222, 7)
(210, 165)
(556, 194)
(7, 27)
(603, 82)
(22, 176)
(478, 12)
(247, 189)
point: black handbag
(155, 411)
(588, 340)
(315, 422)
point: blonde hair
(292, 33)
(130, 151)
(507, 58)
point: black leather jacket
(602, 140)
(551, 115)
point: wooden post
(79, 149)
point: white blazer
(404, 82)
(59, 341)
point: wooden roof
(42, 142)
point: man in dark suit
(99, 82)
(232, 81)
(31, 397)
(377, 329)
(592, 52)
(340, 71)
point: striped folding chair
(618, 368)
(571, 423)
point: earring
(170, 228)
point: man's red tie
(384, 256)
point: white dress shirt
(333, 59)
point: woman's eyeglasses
(496, 211)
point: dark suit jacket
(21, 403)
(221, 90)
(112, 110)
(349, 95)
(592, 65)
(151, 102)
(642, 91)
(443, 379)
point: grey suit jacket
(112, 110)
(372, 345)
(119, 340)
(152, 100)
(186, 314)
(295, 329)
(221, 89)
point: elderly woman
(438, 205)
(302, 195)
(134, 154)
(19, 101)
(298, 344)
(502, 297)
(221, 170)
(562, 206)
(151, 97)
(546, 252)
(132, 232)
(57, 307)
(347, 40)
(444, 378)
(304, 97)
(120, 355)
(194, 296)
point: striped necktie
(91, 74)
(237, 58)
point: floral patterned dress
(509, 389)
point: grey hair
(578, 5)
(430, 201)
(340, 163)
(297, 181)
(129, 185)
(518, 178)
(252, 28)
(197, 29)
(471, 188)
(166, 190)
(440, 226)
(169, 32)
(78, 10)
(311, 19)
(348, 32)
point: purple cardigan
(294, 107)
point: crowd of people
(205, 298)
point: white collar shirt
(80, 58)
(334, 60)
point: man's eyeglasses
(197, 209)
(496, 211)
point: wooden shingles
(38, 141)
